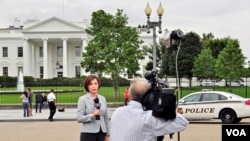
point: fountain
(20, 84)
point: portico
(50, 42)
(48, 48)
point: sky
(223, 18)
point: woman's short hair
(88, 80)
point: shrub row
(8, 81)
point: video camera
(159, 98)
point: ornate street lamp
(153, 25)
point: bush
(7, 81)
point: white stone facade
(36, 47)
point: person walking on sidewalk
(30, 93)
(25, 99)
(52, 104)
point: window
(19, 51)
(41, 71)
(193, 98)
(77, 51)
(78, 71)
(5, 51)
(210, 97)
(5, 71)
(59, 74)
(130, 76)
(40, 51)
(222, 97)
(59, 51)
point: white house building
(47, 49)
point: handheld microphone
(97, 106)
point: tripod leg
(171, 137)
(160, 138)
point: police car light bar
(205, 90)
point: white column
(45, 58)
(65, 57)
(26, 58)
(84, 44)
(33, 61)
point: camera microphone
(97, 106)
(150, 74)
(176, 34)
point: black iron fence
(70, 94)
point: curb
(59, 105)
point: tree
(168, 62)
(230, 62)
(160, 49)
(190, 48)
(114, 48)
(206, 38)
(204, 64)
(217, 45)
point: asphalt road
(14, 127)
(70, 131)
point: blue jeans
(44, 104)
(39, 105)
(25, 109)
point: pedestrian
(30, 93)
(44, 100)
(126, 96)
(52, 104)
(92, 112)
(39, 102)
(140, 124)
(25, 100)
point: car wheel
(228, 116)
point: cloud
(220, 17)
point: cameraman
(132, 123)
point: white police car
(228, 107)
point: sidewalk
(7, 115)
(65, 127)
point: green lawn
(71, 94)
(63, 94)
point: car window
(222, 97)
(210, 97)
(193, 98)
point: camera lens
(150, 74)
